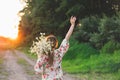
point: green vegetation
(99, 76)
(22, 61)
(52, 17)
(90, 64)
(1, 61)
(101, 63)
(26, 50)
(3, 72)
(25, 65)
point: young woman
(49, 65)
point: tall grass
(82, 58)
(89, 64)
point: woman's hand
(72, 20)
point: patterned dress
(53, 72)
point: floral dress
(53, 72)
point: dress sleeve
(39, 64)
(63, 47)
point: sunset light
(9, 18)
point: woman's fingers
(73, 18)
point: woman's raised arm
(72, 21)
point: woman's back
(51, 72)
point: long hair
(54, 45)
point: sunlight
(9, 19)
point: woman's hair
(54, 45)
(53, 39)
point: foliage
(85, 59)
(79, 50)
(89, 26)
(110, 47)
(98, 63)
(52, 16)
(98, 31)
(110, 28)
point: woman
(49, 65)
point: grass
(95, 66)
(98, 76)
(1, 65)
(1, 60)
(25, 65)
(1, 56)
(26, 50)
(3, 72)
(99, 63)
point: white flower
(41, 46)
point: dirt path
(14, 69)
(17, 66)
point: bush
(98, 31)
(110, 47)
(89, 26)
(78, 50)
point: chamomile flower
(41, 46)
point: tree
(52, 16)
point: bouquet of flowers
(41, 45)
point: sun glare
(9, 19)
